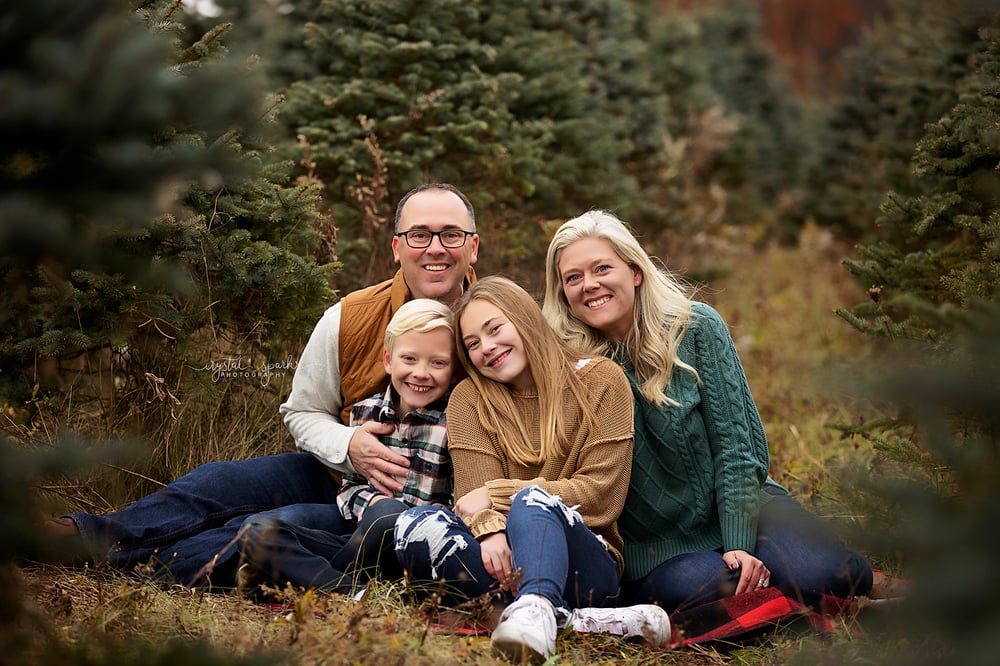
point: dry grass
(223, 407)
(778, 302)
(94, 608)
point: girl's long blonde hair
(662, 309)
(551, 362)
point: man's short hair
(447, 187)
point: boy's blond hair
(420, 315)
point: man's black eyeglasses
(421, 238)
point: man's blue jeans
(191, 526)
(558, 556)
(800, 550)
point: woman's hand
(753, 574)
(472, 503)
(498, 561)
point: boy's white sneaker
(526, 630)
(647, 621)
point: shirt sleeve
(735, 432)
(312, 411)
(354, 496)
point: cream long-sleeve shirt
(311, 412)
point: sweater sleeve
(312, 411)
(735, 432)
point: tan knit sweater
(593, 476)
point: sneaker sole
(516, 651)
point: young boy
(319, 546)
(418, 357)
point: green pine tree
(106, 129)
(901, 76)
(146, 224)
(271, 29)
(526, 107)
(737, 144)
(942, 251)
(935, 307)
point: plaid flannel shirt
(419, 435)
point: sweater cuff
(502, 492)
(487, 522)
(739, 533)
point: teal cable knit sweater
(697, 468)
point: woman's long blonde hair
(551, 362)
(662, 310)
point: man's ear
(474, 253)
(395, 249)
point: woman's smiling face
(599, 286)
(494, 345)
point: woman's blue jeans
(189, 529)
(801, 551)
(558, 557)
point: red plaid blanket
(729, 619)
(743, 615)
(739, 618)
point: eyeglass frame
(409, 243)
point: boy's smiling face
(419, 366)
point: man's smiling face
(435, 271)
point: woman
(541, 444)
(702, 520)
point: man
(188, 529)
(341, 362)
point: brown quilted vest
(364, 316)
